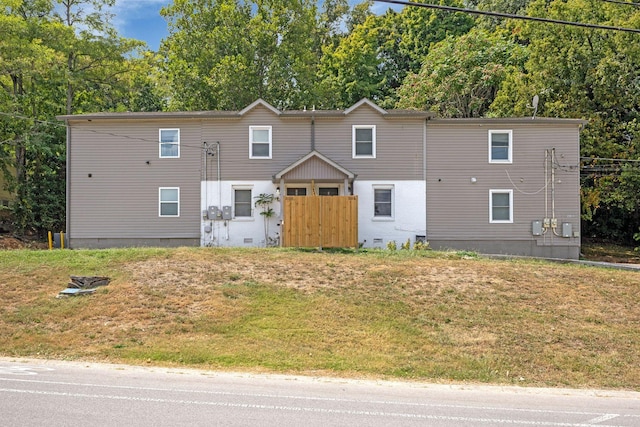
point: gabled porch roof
(314, 166)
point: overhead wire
(511, 16)
(622, 2)
(98, 132)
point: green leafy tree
(52, 61)
(351, 71)
(460, 77)
(224, 54)
(374, 58)
(421, 28)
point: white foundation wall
(236, 232)
(408, 218)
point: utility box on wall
(215, 212)
(567, 229)
(536, 228)
(226, 212)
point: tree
(460, 77)
(224, 54)
(351, 71)
(52, 63)
(374, 58)
(421, 28)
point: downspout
(424, 178)
(218, 166)
(313, 132)
(68, 184)
(226, 221)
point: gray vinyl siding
(458, 209)
(114, 192)
(291, 140)
(320, 170)
(399, 145)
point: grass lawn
(423, 315)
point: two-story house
(193, 178)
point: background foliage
(64, 57)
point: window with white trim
(242, 203)
(500, 206)
(383, 201)
(259, 142)
(500, 146)
(169, 143)
(169, 201)
(364, 141)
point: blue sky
(141, 20)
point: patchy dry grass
(428, 316)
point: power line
(19, 116)
(622, 2)
(609, 159)
(510, 16)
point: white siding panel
(408, 213)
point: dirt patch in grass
(610, 252)
(8, 242)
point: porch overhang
(314, 166)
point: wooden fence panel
(320, 221)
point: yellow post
(50, 241)
(62, 240)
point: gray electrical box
(536, 228)
(567, 229)
(226, 212)
(215, 212)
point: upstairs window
(500, 206)
(169, 143)
(364, 141)
(260, 142)
(500, 146)
(169, 201)
(383, 202)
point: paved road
(50, 393)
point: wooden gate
(320, 221)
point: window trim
(251, 142)
(509, 158)
(501, 221)
(373, 142)
(393, 204)
(160, 143)
(249, 188)
(160, 202)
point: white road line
(22, 370)
(605, 417)
(307, 398)
(303, 409)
